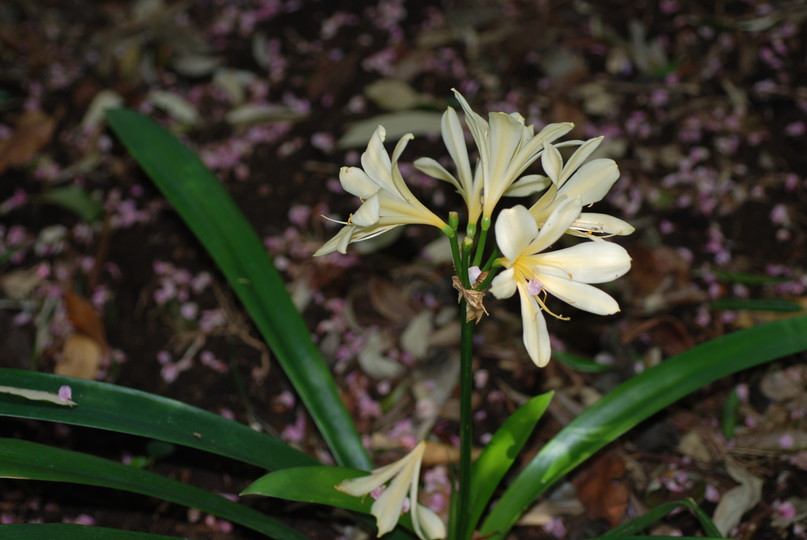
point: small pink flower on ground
(742, 392)
(800, 460)
(299, 214)
(65, 393)
(82, 519)
(786, 441)
(712, 494)
(218, 524)
(785, 511)
(323, 141)
(795, 129)
(481, 377)
(555, 527)
(294, 433)
(285, 399)
(780, 215)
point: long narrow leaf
(657, 538)
(70, 531)
(217, 222)
(116, 408)
(311, 485)
(650, 518)
(24, 459)
(637, 399)
(316, 485)
(500, 453)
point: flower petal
(592, 181)
(356, 182)
(369, 212)
(602, 224)
(536, 336)
(580, 156)
(431, 523)
(435, 170)
(504, 139)
(399, 148)
(338, 243)
(551, 162)
(454, 139)
(565, 212)
(476, 124)
(590, 262)
(376, 162)
(504, 284)
(527, 185)
(515, 229)
(579, 295)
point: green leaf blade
(24, 459)
(71, 531)
(637, 399)
(316, 485)
(501, 451)
(125, 410)
(211, 214)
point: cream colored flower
(387, 201)
(468, 184)
(507, 146)
(387, 508)
(589, 181)
(565, 273)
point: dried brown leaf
(81, 357)
(85, 319)
(32, 132)
(601, 489)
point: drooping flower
(387, 201)
(589, 181)
(565, 273)
(506, 145)
(387, 508)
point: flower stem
(466, 426)
(480, 247)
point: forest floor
(704, 108)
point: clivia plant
(500, 250)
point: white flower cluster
(507, 147)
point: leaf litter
(703, 110)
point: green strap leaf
(316, 485)
(580, 363)
(637, 399)
(311, 485)
(657, 538)
(211, 214)
(70, 531)
(116, 408)
(24, 459)
(500, 453)
(650, 518)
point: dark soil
(704, 110)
